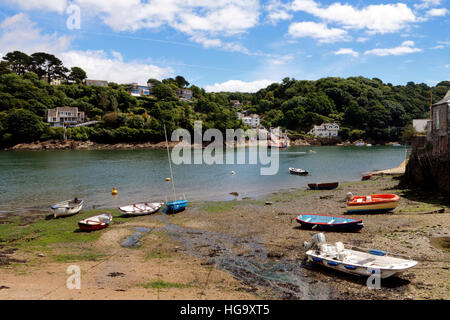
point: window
(437, 118)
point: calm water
(35, 180)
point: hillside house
(62, 116)
(252, 120)
(440, 125)
(184, 94)
(235, 103)
(325, 130)
(100, 83)
(137, 90)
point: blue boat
(329, 223)
(177, 206)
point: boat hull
(177, 206)
(323, 186)
(330, 223)
(376, 204)
(64, 209)
(367, 177)
(95, 223)
(141, 209)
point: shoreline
(224, 250)
(53, 145)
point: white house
(252, 120)
(420, 125)
(325, 130)
(64, 115)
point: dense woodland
(365, 108)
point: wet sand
(243, 249)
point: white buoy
(232, 172)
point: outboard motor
(317, 239)
(349, 196)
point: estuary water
(33, 180)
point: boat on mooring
(323, 186)
(95, 223)
(300, 172)
(376, 203)
(175, 205)
(366, 177)
(67, 208)
(141, 209)
(355, 261)
(329, 223)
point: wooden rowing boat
(300, 172)
(355, 261)
(95, 223)
(372, 203)
(323, 186)
(140, 209)
(67, 208)
(329, 223)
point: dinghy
(366, 177)
(329, 223)
(356, 261)
(175, 205)
(67, 208)
(140, 209)
(300, 172)
(323, 186)
(372, 203)
(95, 223)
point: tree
(153, 82)
(77, 74)
(163, 92)
(18, 61)
(48, 66)
(24, 125)
(181, 82)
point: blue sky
(236, 45)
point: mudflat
(246, 249)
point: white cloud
(51, 5)
(318, 31)
(20, 33)
(99, 65)
(406, 47)
(437, 12)
(347, 51)
(427, 4)
(277, 11)
(383, 18)
(362, 39)
(279, 60)
(239, 86)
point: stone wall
(429, 171)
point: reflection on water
(35, 180)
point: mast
(431, 103)
(170, 165)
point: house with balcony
(137, 90)
(439, 130)
(252, 120)
(184, 94)
(325, 130)
(64, 116)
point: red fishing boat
(373, 203)
(366, 177)
(95, 223)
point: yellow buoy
(114, 191)
(168, 179)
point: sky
(236, 45)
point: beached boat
(67, 208)
(140, 209)
(95, 223)
(300, 172)
(329, 223)
(175, 205)
(356, 261)
(323, 186)
(372, 203)
(366, 177)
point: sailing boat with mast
(175, 205)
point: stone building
(440, 126)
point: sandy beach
(246, 249)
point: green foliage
(408, 133)
(24, 125)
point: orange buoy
(114, 191)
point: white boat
(139, 209)
(298, 171)
(67, 208)
(359, 262)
